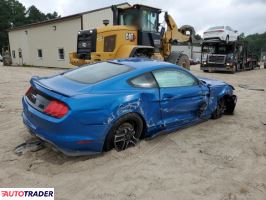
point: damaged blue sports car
(113, 104)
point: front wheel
(219, 111)
(125, 133)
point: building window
(61, 54)
(14, 54)
(39, 53)
(20, 54)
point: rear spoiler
(37, 84)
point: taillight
(29, 91)
(56, 109)
(220, 31)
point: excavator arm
(173, 34)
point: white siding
(49, 40)
(95, 19)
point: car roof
(144, 64)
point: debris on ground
(250, 87)
(32, 146)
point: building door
(20, 57)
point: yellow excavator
(136, 32)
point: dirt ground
(222, 159)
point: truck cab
(233, 56)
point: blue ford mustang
(113, 104)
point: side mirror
(201, 82)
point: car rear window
(95, 73)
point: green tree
(257, 42)
(53, 15)
(13, 13)
(34, 15)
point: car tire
(234, 69)
(219, 111)
(227, 39)
(125, 132)
(205, 71)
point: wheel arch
(135, 113)
(109, 132)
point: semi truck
(217, 55)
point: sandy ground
(222, 159)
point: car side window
(143, 81)
(174, 78)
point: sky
(247, 16)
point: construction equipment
(135, 33)
(233, 56)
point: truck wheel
(179, 58)
(238, 67)
(183, 61)
(234, 69)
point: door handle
(168, 96)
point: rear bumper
(67, 135)
(220, 38)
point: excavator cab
(146, 21)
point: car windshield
(95, 73)
(216, 27)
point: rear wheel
(125, 133)
(219, 111)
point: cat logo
(130, 36)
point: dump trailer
(136, 32)
(227, 56)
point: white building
(48, 43)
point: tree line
(13, 14)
